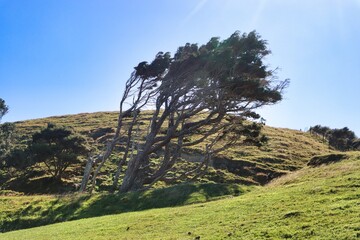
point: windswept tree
(57, 147)
(201, 95)
(342, 139)
(322, 131)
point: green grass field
(19, 212)
(312, 203)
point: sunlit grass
(315, 203)
(18, 212)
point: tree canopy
(342, 139)
(57, 147)
(320, 130)
(207, 91)
(3, 108)
(6, 134)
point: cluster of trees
(342, 139)
(221, 81)
(56, 147)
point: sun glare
(194, 11)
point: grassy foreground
(313, 203)
(19, 212)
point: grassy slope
(292, 146)
(287, 149)
(313, 203)
(19, 212)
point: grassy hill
(21, 211)
(287, 150)
(312, 203)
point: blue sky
(66, 57)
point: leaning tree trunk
(130, 141)
(135, 173)
(106, 155)
(138, 102)
(131, 174)
(90, 163)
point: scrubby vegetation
(342, 139)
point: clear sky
(66, 57)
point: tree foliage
(6, 141)
(320, 130)
(3, 108)
(6, 134)
(342, 139)
(206, 91)
(57, 147)
(356, 144)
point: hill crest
(287, 150)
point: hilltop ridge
(287, 150)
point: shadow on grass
(78, 206)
